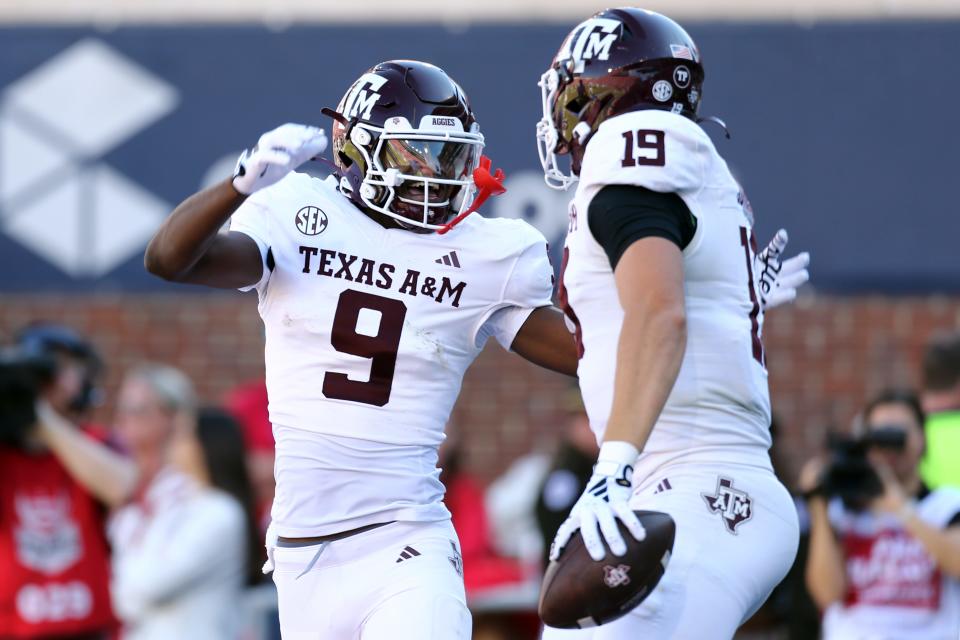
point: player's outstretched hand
(604, 501)
(779, 279)
(277, 153)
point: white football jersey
(368, 334)
(719, 408)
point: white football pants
(401, 581)
(736, 538)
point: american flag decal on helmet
(682, 51)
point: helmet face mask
(420, 175)
(617, 61)
(549, 142)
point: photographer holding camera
(884, 559)
(56, 483)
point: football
(580, 592)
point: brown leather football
(580, 592)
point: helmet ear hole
(360, 137)
(576, 105)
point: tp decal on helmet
(617, 61)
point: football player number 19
(646, 148)
(380, 348)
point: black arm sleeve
(621, 214)
(955, 520)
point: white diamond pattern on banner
(57, 197)
(50, 225)
(26, 159)
(92, 96)
(125, 215)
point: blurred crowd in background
(150, 525)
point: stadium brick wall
(825, 356)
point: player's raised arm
(524, 320)
(188, 246)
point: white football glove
(271, 544)
(779, 279)
(277, 153)
(605, 499)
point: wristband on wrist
(614, 455)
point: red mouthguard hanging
(487, 185)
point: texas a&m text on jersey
(377, 289)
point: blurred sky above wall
(108, 12)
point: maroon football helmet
(405, 143)
(617, 61)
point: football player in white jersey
(374, 304)
(660, 282)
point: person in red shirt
(884, 561)
(55, 482)
(247, 403)
(487, 575)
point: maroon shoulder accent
(749, 244)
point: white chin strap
(547, 135)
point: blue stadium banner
(841, 132)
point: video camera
(22, 376)
(31, 365)
(849, 474)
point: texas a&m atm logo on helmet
(406, 142)
(617, 61)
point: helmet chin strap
(717, 121)
(327, 163)
(487, 185)
(336, 115)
